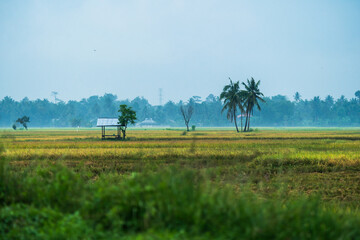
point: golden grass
(263, 158)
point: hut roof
(107, 122)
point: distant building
(241, 115)
(148, 122)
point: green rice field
(287, 183)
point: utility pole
(160, 96)
(54, 94)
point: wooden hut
(104, 122)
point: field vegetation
(300, 183)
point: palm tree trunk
(247, 117)
(237, 129)
(246, 121)
(249, 123)
(241, 121)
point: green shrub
(54, 202)
(27, 222)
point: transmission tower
(54, 94)
(160, 96)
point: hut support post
(118, 132)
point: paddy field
(289, 183)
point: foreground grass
(54, 202)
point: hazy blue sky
(186, 48)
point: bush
(20, 221)
(54, 202)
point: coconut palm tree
(233, 99)
(251, 94)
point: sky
(186, 48)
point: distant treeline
(277, 111)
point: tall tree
(297, 97)
(186, 112)
(252, 97)
(127, 116)
(357, 94)
(233, 99)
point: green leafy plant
(128, 116)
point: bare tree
(187, 112)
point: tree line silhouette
(275, 111)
